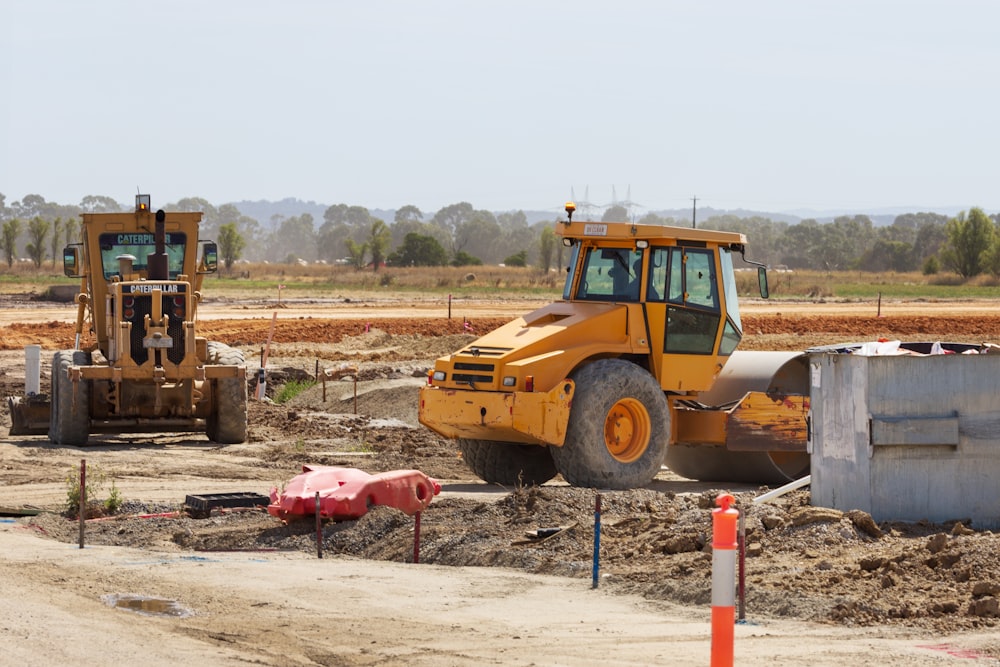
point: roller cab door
(685, 313)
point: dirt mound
(803, 562)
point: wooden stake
(416, 537)
(83, 497)
(267, 350)
(319, 530)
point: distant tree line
(461, 235)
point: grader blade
(29, 415)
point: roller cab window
(693, 312)
(611, 274)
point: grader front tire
(69, 420)
(619, 427)
(227, 422)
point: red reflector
(529, 383)
(179, 301)
(128, 302)
(129, 313)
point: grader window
(140, 246)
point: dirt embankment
(763, 332)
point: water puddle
(148, 606)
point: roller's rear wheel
(508, 463)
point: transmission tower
(584, 206)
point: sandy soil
(823, 587)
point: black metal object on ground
(19, 511)
(200, 506)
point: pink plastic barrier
(347, 493)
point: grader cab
(138, 363)
(635, 366)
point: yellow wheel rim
(626, 430)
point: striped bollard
(723, 580)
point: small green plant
(360, 445)
(291, 389)
(114, 500)
(96, 481)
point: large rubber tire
(227, 422)
(508, 463)
(619, 427)
(69, 417)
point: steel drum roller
(773, 373)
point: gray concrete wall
(907, 438)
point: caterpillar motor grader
(634, 367)
(146, 369)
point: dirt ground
(504, 575)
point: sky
(772, 105)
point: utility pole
(694, 212)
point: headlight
(440, 376)
(509, 381)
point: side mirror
(209, 257)
(71, 261)
(762, 281)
